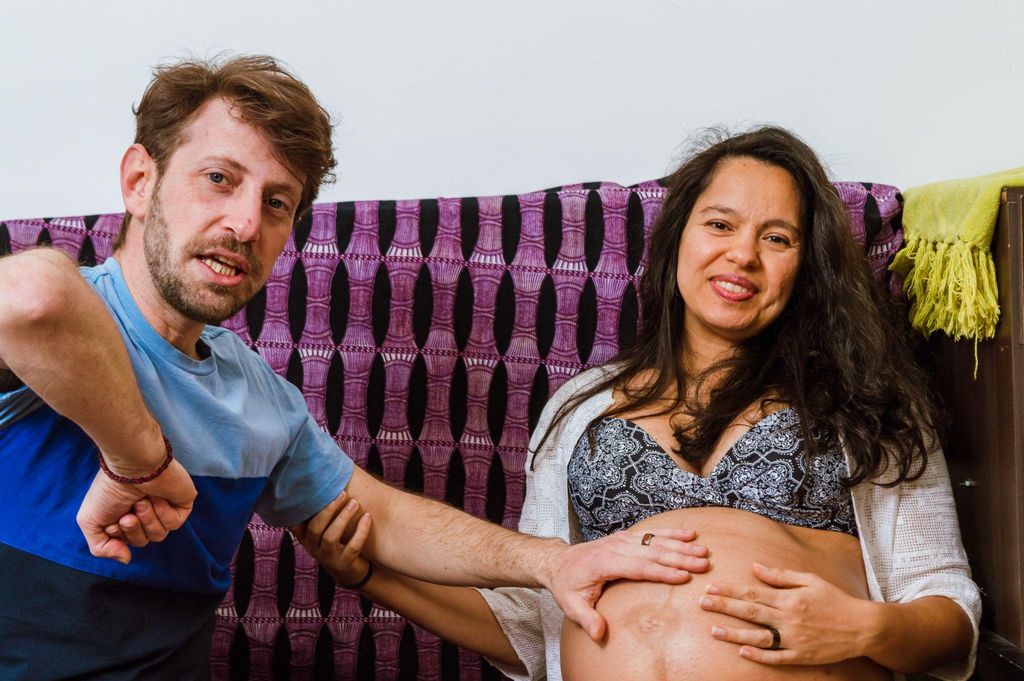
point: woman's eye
(718, 225)
(776, 239)
(216, 178)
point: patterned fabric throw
(426, 337)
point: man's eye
(216, 178)
(277, 204)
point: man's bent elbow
(36, 287)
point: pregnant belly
(659, 631)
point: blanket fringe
(951, 287)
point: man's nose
(245, 215)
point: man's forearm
(441, 544)
(427, 540)
(58, 337)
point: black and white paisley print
(629, 477)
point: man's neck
(177, 329)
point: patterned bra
(628, 477)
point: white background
(463, 97)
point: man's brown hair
(265, 96)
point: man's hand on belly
(669, 556)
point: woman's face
(739, 253)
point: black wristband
(362, 582)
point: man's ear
(138, 180)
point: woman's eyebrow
(718, 209)
(774, 222)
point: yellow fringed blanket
(946, 263)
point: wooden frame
(985, 451)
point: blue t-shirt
(242, 432)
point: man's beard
(168, 274)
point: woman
(769, 403)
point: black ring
(646, 541)
(776, 638)
(362, 582)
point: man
(126, 419)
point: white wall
(468, 97)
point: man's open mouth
(221, 265)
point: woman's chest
(619, 474)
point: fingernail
(713, 589)
(717, 631)
(351, 505)
(706, 602)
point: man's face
(220, 214)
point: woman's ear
(138, 180)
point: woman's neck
(700, 354)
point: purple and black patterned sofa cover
(426, 337)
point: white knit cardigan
(909, 537)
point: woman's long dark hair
(838, 354)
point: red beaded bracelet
(146, 478)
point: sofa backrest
(426, 337)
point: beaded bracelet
(146, 478)
(362, 582)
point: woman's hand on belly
(817, 622)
